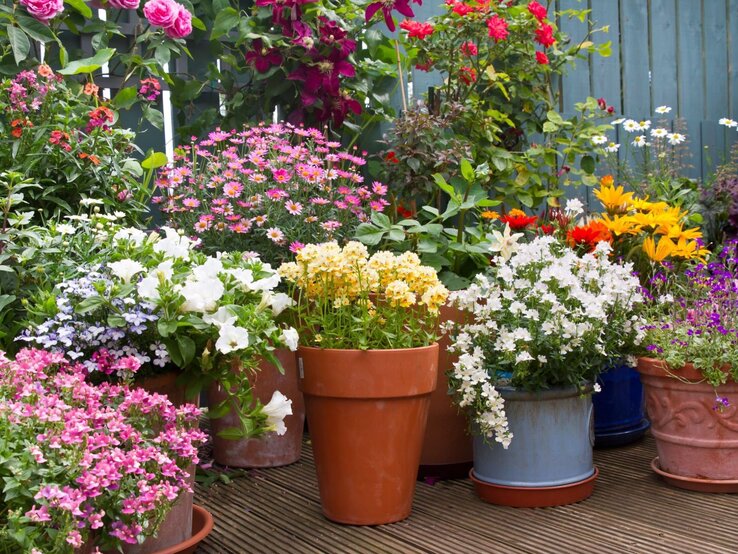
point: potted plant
(267, 189)
(367, 364)
(648, 233)
(543, 321)
(88, 466)
(691, 375)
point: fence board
(634, 52)
(731, 15)
(575, 86)
(605, 72)
(715, 59)
(662, 20)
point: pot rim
(371, 350)
(550, 393)
(656, 367)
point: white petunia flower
(174, 245)
(136, 236)
(276, 410)
(209, 270)
(280, 302)
(125, 269)
(290, 338)
(201, 296)
(244, 277)
(222, 318)
(231, 339)
(662, 110)
(266, 284)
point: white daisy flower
(659, 132)
(640, 141)
(599, 139)
(676, 138)
(662, 109)
(644, 125)
(618, 121)
(728, 122)
(612, 147)
(630, 125)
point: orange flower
(17, 132)
(589, 235)
(94, 159)
(490, 214)
(91, 89)
(517, 220)
(45, 71)
(607, 181)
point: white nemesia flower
(662, 110)
(640, 141)
(504, 242)
(728, 122)
(231, 339)
(631, 126)
(676, 138)
(125, 269)
(222, 318)
(574, 207)
(276, 410)
(612, 147)
(290, 338)
(659, 132)
(599, 139)
(65, 229)
(201, 296)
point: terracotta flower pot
(447, 445)
(166, 384)
(367, 412)
(697, 445)
(271, 450)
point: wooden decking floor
(278, 510)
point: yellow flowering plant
(649, 233)
(346, 299)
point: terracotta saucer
(694, 483)
(202, 525)
(535, 497)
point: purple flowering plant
(693, 318)
(84, 464)
(269, 189)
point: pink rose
(43, 10)
(161, 13)
(182, 26)
(124, 4)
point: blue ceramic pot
(619, 417)
(552, 442)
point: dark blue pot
(619, 417)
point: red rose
(541, 58)
(497, 28)
(537, 11)
(544, 35)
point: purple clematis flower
(387, 6)
(262, 58)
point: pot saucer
(535, 497)
(621, 437)
(694, 483)
(202, 525)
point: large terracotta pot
(696, 443)
(167, 384)
(271, 450)
(447, 445)
(367, 412)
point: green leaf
(198, 24)
(125, 98)
(443, 185)
(34, 28)
(368, 234)
(88, 65)
(155, 160)
(155, 117)
(187, 349)
(225, 20)
(162, 54)
(231, 433)
(467, 171)
(81, 7)
(549, 127)
(19, 43)
(587, 164)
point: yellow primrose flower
(658, 253)
(614, 199)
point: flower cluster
(97, 465)
(43, 10)
(268, 189)
(171, 16)
(694, 320)
(66, 142)
(545, 317)
(348, 299)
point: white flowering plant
(160, 300)
(546, 317)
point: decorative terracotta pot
(367, 412)
(447, 446)
(697, 445)
(271, 450)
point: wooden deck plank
(631, 511)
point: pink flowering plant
(65, 139)
(268, 189)
(84, 464)
(156, 298)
